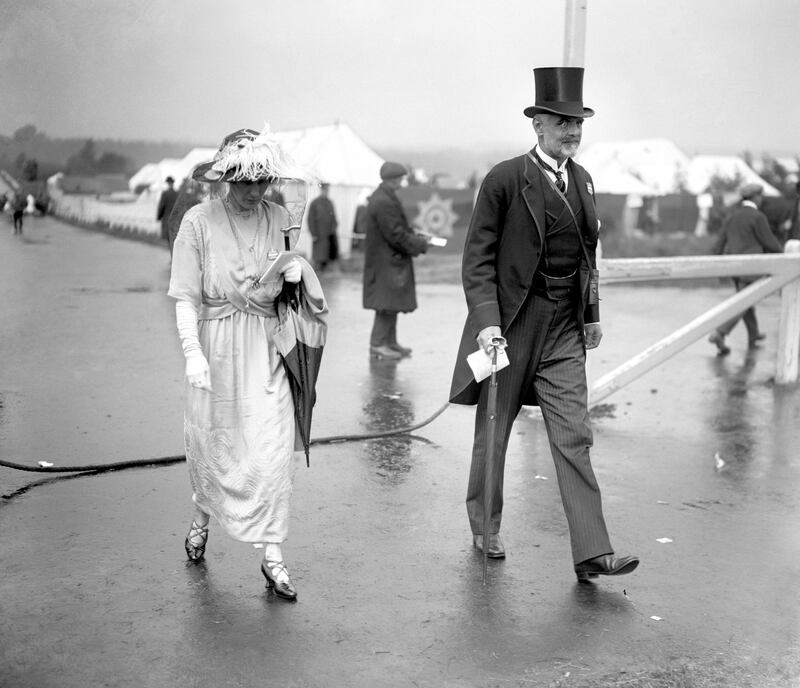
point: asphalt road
(698, 462)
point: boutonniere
(590, 188)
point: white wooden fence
(780, 272)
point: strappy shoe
(278, 579)
(196, 541)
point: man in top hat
(746, 230)
(529, 275)
(165, 205)
(389, 248)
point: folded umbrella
(300, 340)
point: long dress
(239, 438)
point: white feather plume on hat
(247, 155)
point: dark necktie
(561, 185)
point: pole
(789, 327)
(575, 33)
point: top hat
(559, 91)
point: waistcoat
(562, 249)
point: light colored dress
(240, 437)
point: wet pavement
(697, 460)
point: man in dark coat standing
(746, 230)
(322, 224)
(529, 276)
(165, 205)
(390, 246)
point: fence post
(789, 326)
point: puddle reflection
(387, 408)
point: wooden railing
(780, 272)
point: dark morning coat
(502, 251)
(389, 248)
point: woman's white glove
(198, 372)
(292, 271)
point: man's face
(559, 136)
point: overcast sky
(712, 75)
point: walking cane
(489, 458)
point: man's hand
(292, 271)
(486, 335)
(592, 334)
(197, 371)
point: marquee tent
(657, 163)
(703, 167)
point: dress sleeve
(186, 279)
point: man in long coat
(165, 205)
(322, 224)
(746, 230)
(390, 246)
(529, 275)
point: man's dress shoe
(605, 565)
(719, 341)
(385, 352)
(496, 549)
(402, 350)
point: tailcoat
(503, 248)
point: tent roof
(657, 163)
(613, 178)
(703, 167)
(333, 154)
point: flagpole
(575, 32)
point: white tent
(703, 167)
(657, 163)
(612, 177)
(336, 155)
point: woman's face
(247, 194)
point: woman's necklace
(253, 250)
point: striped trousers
(546, 353)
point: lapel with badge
(585, 187)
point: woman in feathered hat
(239, 427)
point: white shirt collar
(750, 204)
(550, 161)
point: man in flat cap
(746, 230)
(530, 279)
(389, 248)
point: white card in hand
(481, 363)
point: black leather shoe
(496, 549)
(278, 579)
(605, 565)
(195, 543)
(719, 340)
(754, 342)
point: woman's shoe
(196, 541)
(278, 579)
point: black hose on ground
(169, 460)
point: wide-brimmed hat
(248, 155)
(559, 91)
